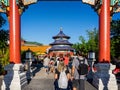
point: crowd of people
(65, 69)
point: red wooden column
(104, 33)
(15, 33)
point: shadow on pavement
(37, 68)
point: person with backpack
(79, 72)
(62, 76)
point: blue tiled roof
(55, 48)
(61, 42)
(61, 34)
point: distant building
(22, 42)
(38, 49)
(61, 45)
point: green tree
(115, 38)
(2, 21)
(5, 58)
(4, 37)
(90, 44)
(83, 45)
(92, 39)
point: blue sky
(43, 20)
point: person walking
(66, 61)
(78, 81)
(46, 63)
(61, 80)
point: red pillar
(15, 33)
(104, 33)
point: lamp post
(91, 54)
(28, 64)
(28, 57)
(91, 59)
(28, 54)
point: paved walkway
(44, 81)
(41, 81)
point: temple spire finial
(61, 28)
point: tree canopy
(87, 45)
(4, 38)
(92, 42)
(115, 38)
(2, 21)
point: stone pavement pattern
(41, 81)
(44, 81)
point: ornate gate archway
(13, 8)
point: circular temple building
(61, 45)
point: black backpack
(82, 67)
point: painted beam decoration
(91, 2)
(114, 2)
(27, 2)
(5, 2)
(96, 4)
(3, 5)
(117, 10)
(22, 4)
